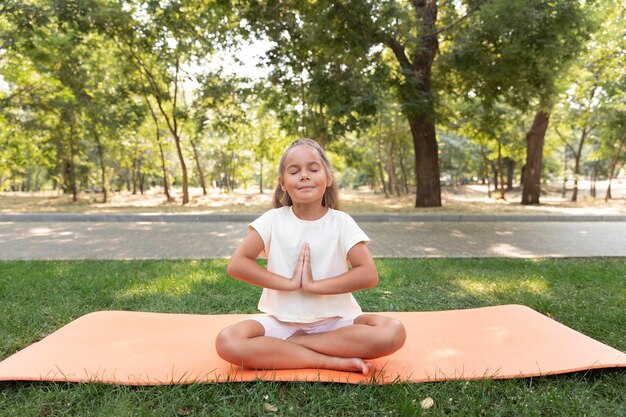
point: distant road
(179, 239)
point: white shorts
(284, 330)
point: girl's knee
(225, 343)
(231, 340)
(391, 333)
(392, 336)
(396, 334)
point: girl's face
(305, 177)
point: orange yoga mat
(137, 348)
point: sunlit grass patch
(172, 284)
(489, 288)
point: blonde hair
(331, 195)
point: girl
(312, 320)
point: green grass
(589, 295)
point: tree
(78, 95)
(157, 136)
(578, 118)
(163, 41)
(53, 50)
(493, 129)
(514, 52)
(329, 37)
(614, 86)
(613, 127)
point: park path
(43, 236)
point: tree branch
(143, 69)
(23, 90)
(456, 22)
(570, 147)
(399, 52)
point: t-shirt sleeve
(352, 234)
(263, 226)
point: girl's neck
(309, 212)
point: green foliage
(516, 50)
(78, 78)
(324, 79)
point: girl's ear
(281, 182)
(329, 180)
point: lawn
(37, 297)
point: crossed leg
(371, 336)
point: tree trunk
(199, 166)
(173, 128)
(594, 178)
(564, 193)
(535, 138)
(576, 170)
(415, 91)
(166, 186)
(496, 182)
(426, 163)
(233, 171)
(405, 177)
(501, 171)
(613, 167)
(183, 167)
(133, 173)
(103, 175)
(172, 125)
(485, 169)
(577, 157)
(510, 170)
(394, 187)
(158, 93)
(72, 168)
(142, 182)
(176, 132)
(381, 171)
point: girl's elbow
(231, 268)
(373, 280)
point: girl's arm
(243, 266)
(362, 275)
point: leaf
(427, 403)
(270, 408)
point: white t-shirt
(330, 238)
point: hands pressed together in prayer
(302, 277)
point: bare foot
(352, 365)
(335, 362)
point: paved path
(187, 237)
